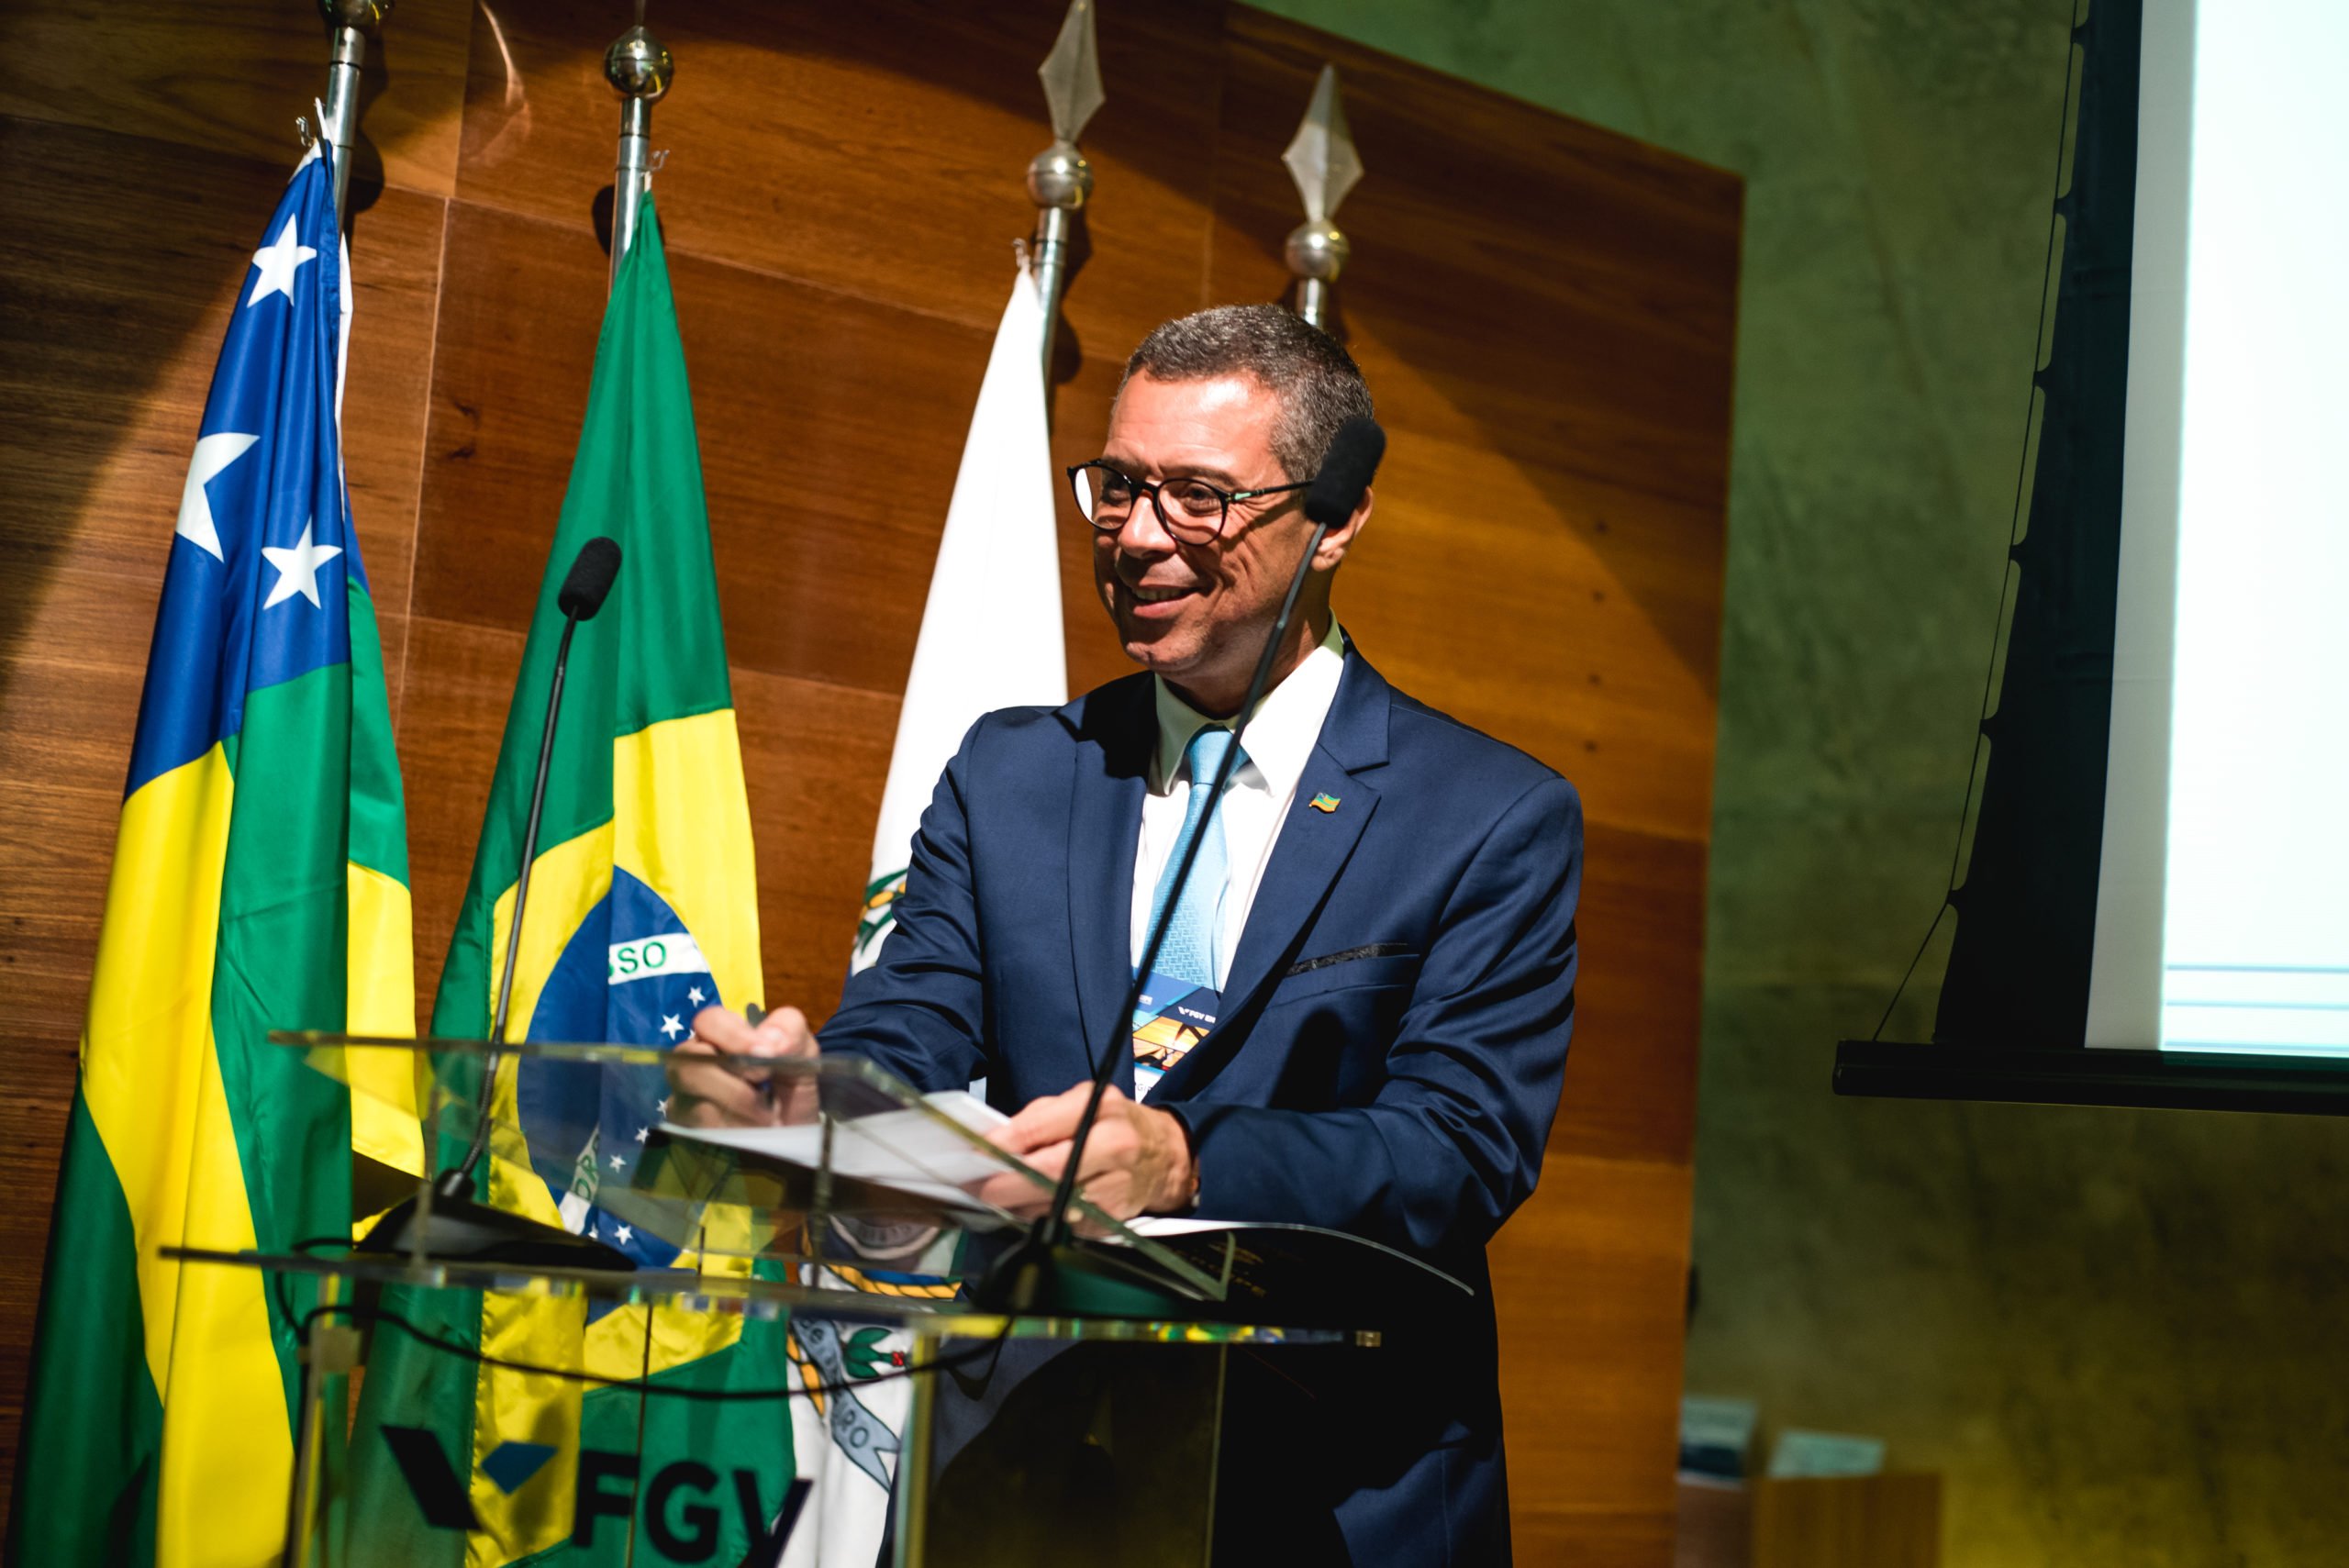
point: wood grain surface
(1857, 1521)
(1545, 311)
(232, 76)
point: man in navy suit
(1379, 936)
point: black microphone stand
(453, 1224)
(458, 1182)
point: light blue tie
(1194, 936)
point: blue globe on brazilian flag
(644, 909)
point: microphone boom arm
(585, 588)
(458, 1182)
(1052, 1229)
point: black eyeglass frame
(1144, 487)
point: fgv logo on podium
(681, 1501)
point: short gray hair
(1317, 382)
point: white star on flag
(624, 1233)
(617, 1163)
(663, 1109)
(694, 995)
(213, 454)
(277, 263)
(670, 1025)
(642, 1133)
(297, 569)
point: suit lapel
(1311, 851)
(1115, 737)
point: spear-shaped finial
(1058, 179)
(1071, 72)
(1322, 160)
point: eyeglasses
(1191, 510)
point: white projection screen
(2223, 908)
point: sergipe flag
(644, 909)
(260, 881)
(990, 638)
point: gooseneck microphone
(453, 1225)
(583, 590)
(1045, 1271)
(589, 580)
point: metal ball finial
(1316, 250)
(638, 65)
(364, 15)
(1059, 177)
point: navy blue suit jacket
(1388, 1060)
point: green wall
(2116, 1334)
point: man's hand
(717, 1085)
(1137, 1160)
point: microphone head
(1346, 472)
(590, 579)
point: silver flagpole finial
(351, 21)
(641, 68)
(1322, 160)
(1058, 179)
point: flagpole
(641, 68)
(349, 22)
(1322, 160)
(1058, 179)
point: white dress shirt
(1279, 740)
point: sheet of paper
(902, 1149)
(1179, 1225)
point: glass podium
(683, 1308)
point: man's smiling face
(1197, 614)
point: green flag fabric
(645, 850)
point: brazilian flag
(644, 909)
(260, 881)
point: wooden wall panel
(1630, 1078)
(873, 150)
(1592, 1284)
(1561, 659)
(1543, 310)
(459, 679)
(1546, 313)
(1548, 290)
(816, 757)
(233, 76)
(822, 510)
(111, 331)
(512, 357)
(397, 259)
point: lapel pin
(1324, 803)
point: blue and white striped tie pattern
(1190, 956)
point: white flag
(990, 638)
(991, 633)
